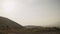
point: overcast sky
(31, 12)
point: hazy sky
(31, 12)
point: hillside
(8, 26)
(7, 23)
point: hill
(8, 26)
(7, 23)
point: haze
(32, 12)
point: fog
(32, 12)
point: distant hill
(32, 26)
(40, 28)
(7, 23)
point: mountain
(7, 23)
(32, 26)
